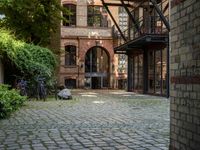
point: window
(157, 71)
(97, 60)
(70, 55)
(122, 62)
(70, 18)
(138, 72)
(70, 83)
(97, 16)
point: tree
(32, 20)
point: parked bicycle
(41, 89)
(22, 86)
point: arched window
(70, 55)
(70, 18)
(96, 60)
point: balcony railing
(153, 25)
(147, 25)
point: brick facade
(84, 38)
(83, 45)
(185, 75)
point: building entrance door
(157, 72)
(96, 68)
(96, 82)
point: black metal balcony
(150, 29)
(148, 25)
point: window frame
(94, 11)
(71, 18)
(70, 55)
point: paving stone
(134, 122)
(64, 146)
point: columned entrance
(97, 68)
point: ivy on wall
(30, 59)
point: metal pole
(168, 69)
(161, 14)
(145, 71)
(131, 16)
(121, 33)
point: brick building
(185, 75)
(87, 58)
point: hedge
(10, 101)
(30, 59)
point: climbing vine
(30, 59)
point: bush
(30, 59)
(10, 101)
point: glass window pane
(70, 55)
(70, 18)
(97, 17)
(151, 79)
(164, 70)
(138, 72)
(158, 71)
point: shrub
(10, 101)
(30, 59)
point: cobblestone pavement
(103, 119)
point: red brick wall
(176, 2)
(83, 45)
(86, 44)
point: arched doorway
(97, 68)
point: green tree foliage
(10, 101)
(31, 60)
(32, 20)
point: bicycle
(22, 86)
(41, 90)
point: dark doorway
(96, 68)
(96, 82)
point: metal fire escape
(149, 27)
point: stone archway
(97, 68)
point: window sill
(88, 27)
(73, 26)
(70, 66)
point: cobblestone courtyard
(92, 120)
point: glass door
(157, 71)
(96, 68)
